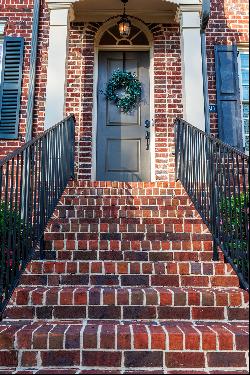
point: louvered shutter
(10, 89)
(228, 95)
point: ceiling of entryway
(147, 10)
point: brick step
(127, 255)
(131, 236)
(127, 220)
(126, 212)
(118, 200)
(68, 241)
(160, 193)
(165, 230)
(130, 280)
(56, 223)
(128, 207)
(126, 187)
(129, 296)
(128, 371)
(138, 312)
(125, 346)
(119, 268)
(157, 296)
(128, 303)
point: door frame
(149, 49)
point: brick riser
(129, 286)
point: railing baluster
(5, 248)
(11, 229)
(16, 250)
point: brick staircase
(128, 286)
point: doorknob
(147, 124)
(147, 137)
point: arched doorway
(122, 151)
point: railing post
(42, 197)
(215, 251)
(213, 199)
(41, 248)
(176, 147)
(72, 140)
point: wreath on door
(127, 81)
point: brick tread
(144, 296)
(127, 267)
(124, 335)
(167, 280)
(84, 242)
(131, 254)
(103, 370)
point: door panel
(126, 153)
(121, 144)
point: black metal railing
(32, 180)
(215, 176)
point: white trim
(123, 48)
(2, 28)
(59, 4)
(148, 48)
(113, 22)
(101, 14)
(94, 114)
(57, 66)
(192, 77)
(243, 49)
(149, 15)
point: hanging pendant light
(124, 24)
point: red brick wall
(229, 23)
(18, 15)
(79, 98)
(167, 96)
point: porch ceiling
(148, 10)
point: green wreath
(133, 90)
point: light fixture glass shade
(124, 27)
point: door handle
(147, 137)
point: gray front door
(122, 153)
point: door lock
(147, 137)
(147, 124)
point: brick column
(57, 57)
(192, 78)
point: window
(112, 37)
(1, 58)
(2, 27)
(244, 81)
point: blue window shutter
(228, 95)
(10, 89)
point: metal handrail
(32, 180)
(216, 178)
